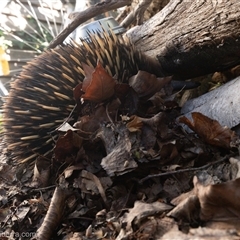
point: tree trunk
(192, 38)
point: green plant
(3, 42)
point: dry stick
(137, 13)
(54, 214)
(83, 16)
(123, 14)
(186, 170)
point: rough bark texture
(192, 38)
(140, 8)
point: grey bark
(221, 104)
(192, 38)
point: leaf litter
(127, 169)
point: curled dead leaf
(135, 124)
(92, 184)
(146, 84)
(187, 207)
(142, 210)
(210, 130)
(219, 201)
(87, 124)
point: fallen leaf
(146, 84)
(41, 173)
(66, 145)
(78, 92)
(69, 170)
(121, 90)
(91, 183)
(100, 86)
(218, 201)
(88, 71)
(201, 233)
(141, 211)
(210, 130)
(135, 124)
(187, 207)
(87, 124)
(108, 112)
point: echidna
(41, 97)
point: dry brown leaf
(121, 90)
(88, 71)
(107, 113)
(41, 172)
(169, 151)
(213, 203)
(147, 230)
(69, 170)
(87, 124)
(187, 207)
(91, 183)
(77, 92)
(146, 84)
(201, 233)
(219, 201)
(135, 124)
(67, 144)
(141, 211)
(210, 130)
(100, 86)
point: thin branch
(83, 16)
(137, 13)
(186, 169)
(54, 214)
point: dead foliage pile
(127, 169)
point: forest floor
(141, 174)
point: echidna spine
(41, 99)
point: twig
(54, 214)
(137, 13)
(83, 16)
(108, 116)
(43, 188)
(186, 170)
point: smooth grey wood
(221, 104)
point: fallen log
(221, 104)
(192, 38)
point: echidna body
(41, 98)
